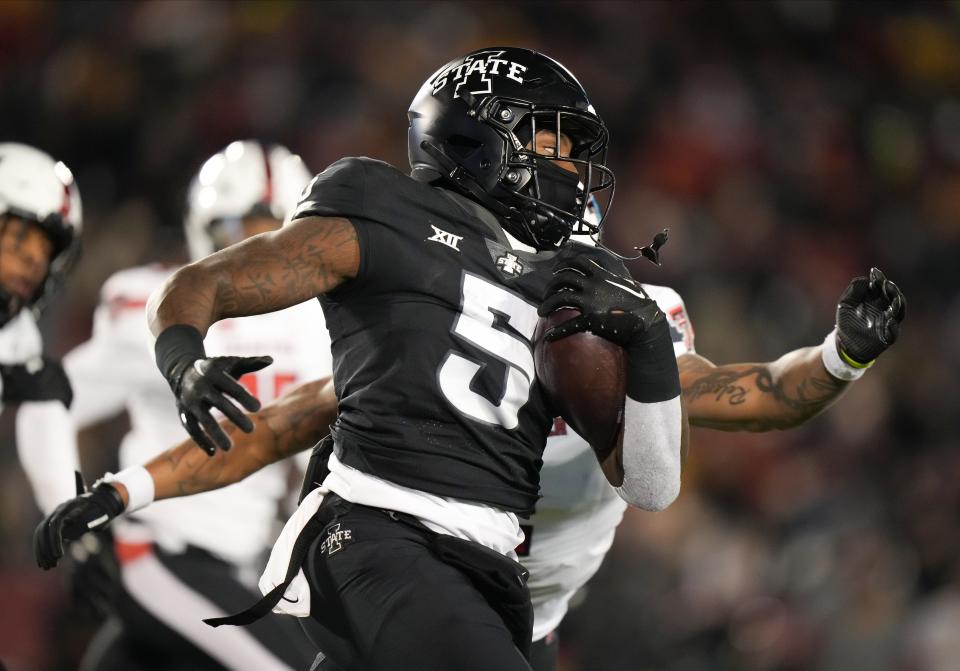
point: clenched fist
(869, 315)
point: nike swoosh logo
(297, 600)
(625, 288)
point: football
(585, 377)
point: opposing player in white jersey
(40, 221)
(188, 558)
(579, 511)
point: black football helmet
(472, 127)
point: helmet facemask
(547, 191)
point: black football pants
(382, 599)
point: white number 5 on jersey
(481, 302)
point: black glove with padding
(611, 305)
(201, 383)
(869, 315)
(614, 306)
(89, 511)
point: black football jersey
(432, 341)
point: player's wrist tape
(652, 374)
(178, 345)
(139, 485)
(839, 364)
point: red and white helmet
(246, 178)
(35, 187)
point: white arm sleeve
(651, 453)
(47, 447)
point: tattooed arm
(265, 273)
(294, 422)
(757, 396)
(271, 271)
(290, 424)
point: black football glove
(868, 318)
(611, 305)
(614, 306)
(87, 512)
(203, 384)
(42, 379)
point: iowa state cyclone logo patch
(475, 75)
(336, 539)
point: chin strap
(462, 179)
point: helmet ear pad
(474, 146)
(482, 151)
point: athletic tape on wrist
(139, 484)
(177, 344)
(652, 374)
(835, 363)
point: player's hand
(611, 305)
(868, 317)
(211, 383)
(87, 512)
(41, 379)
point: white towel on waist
(296, 598)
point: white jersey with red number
(115, 371)
(579, 511)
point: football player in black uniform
(431, 287)
(734, 397)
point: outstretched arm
(757, 396)
(290, 424)
(294, 422)
(789, 391)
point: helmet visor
(570, 139)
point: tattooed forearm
(733, 387)
(185, 470)
(289, 425)
(758, 397)
(722, 386)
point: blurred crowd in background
(788, 145)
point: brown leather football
(585, 376)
